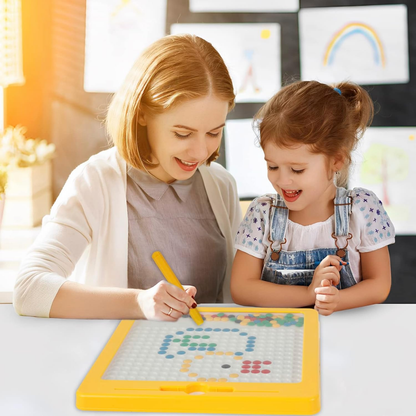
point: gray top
(177, 220)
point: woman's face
(185, 136)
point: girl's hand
(327, 298)
(327, 270)
(156, 302)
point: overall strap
(342, 211)
(279, 215)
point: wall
(53, 104)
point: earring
(336, 176)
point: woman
(156, 189)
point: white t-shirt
(369, 225)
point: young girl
(156, 189)
(315, 242)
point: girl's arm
(373, 288)
(375, 285)
(248, 289)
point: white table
(368, 362)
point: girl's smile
(291, 196)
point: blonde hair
(173, 69)
(308, 112)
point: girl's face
(304, 179)
(185, 136)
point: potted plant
(27, 171)
(3, 181)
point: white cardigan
(85, 237)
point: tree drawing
(384, 164)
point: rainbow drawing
(349, 30)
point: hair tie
(338, 91)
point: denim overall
(297, 267)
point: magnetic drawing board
(240, 360)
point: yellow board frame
(302, 398)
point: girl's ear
(142, 118)
(338, 162)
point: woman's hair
(308, 112)
(172, 70)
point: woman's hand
(327, 298)
(327, 270)
(166, 302)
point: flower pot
(2, 200)
(29, 196)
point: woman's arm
(42, 288)
(248, 289)
(76, 300)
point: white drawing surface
(365, 44)
(251, 52)
(117, 31)
(384, 163)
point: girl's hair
(173, 69)
(308, 112)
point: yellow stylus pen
(171, 278)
